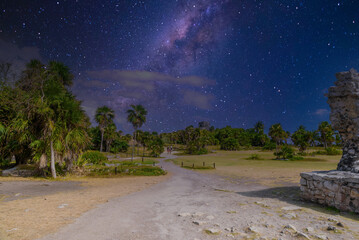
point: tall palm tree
(277, 133)
(137, 117)
(104, 116)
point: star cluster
(229, 62)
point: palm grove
(42, 122)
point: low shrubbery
(230, 144)
(130, 169)
(94, 157)
(329, 151)
(254, 157)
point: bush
(286, 152)
(329, 151)
(269, 146)
(230, 144)
(5, 163)
(254, 157)
(119, 146)
(94, 157)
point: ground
(211, 204)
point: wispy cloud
(156, 91)
(321, 112)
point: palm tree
(326, 133)
(104, 116)
(137, 117)
(277, 133)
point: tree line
(197, 139)
(41, 120)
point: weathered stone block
(333, 188)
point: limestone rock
(199, 223)
(343, 99)
(184, 214)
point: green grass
(266, 170)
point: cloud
(321, 112)
(193, 98)
(17, 56)
(161, 94)
(146, 78)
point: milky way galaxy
(194, 33)
(229, 62)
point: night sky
(229, 62)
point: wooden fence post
(115, 170)
(142, 159)
(214, 165)
(204, 164)
(182, 164)
(193, 165)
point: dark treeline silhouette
(196, 140)
(41, 120)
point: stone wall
(339, 189)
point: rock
(339, 224)
(343, 101)
(63, 205)
(17, 194)
(291, 208)
(302, 235)
(252, 229)
(331, 228)
(198, 214)
(309, 229)
(213, 231)
(290, 227)
(321, 237)
(199, 223)
(210, 217)
(13, 229)
(184, 214)
(289, 215)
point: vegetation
(137, 117)
(94, 157)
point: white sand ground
(210, 207)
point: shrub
(329, 151)
(286, 152)
(119, 146)
(94, 157)
(253, 157)
(230, 144)
(269, 146)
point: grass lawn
(267, 170)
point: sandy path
(206, 202)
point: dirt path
(210, 207)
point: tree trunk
(53, 170)
(133, 144)
(102, 132)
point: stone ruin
(340, 188)
(343, 99)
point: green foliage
(119, 146)
(301, 138)
(155, 145)
(286, 152)
(230, 144)
(94, 157)
(329, 151)
(254, 157)
(326, 134)
(269, 146)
